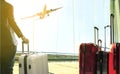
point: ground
(61, 67)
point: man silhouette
(8, 42)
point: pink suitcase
(114, 59)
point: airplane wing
(30, 16)
(51, 10)
(37, 14)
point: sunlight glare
(35, 29)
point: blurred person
(8, 40)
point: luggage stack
(36, 63)
(93, 60)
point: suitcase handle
(96, 28)
(105, 35)
(23, 43)
(99, 44)
(96, 33)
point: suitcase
(99, 55)
(101, 59)
(87, 58)
(36, 63)
(102, 65)
(114, 62)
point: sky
(63, 30)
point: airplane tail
(44, 10)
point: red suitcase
(114, 56)
(87, 58)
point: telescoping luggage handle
(99, 44)
(23, 43)
(96, 34)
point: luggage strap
(25, 64)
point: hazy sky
(65, 29)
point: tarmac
(62, 67)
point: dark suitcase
(87, 58)
(102, 56)
(102, 60)
(114, 56)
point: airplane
(43, 13)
